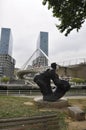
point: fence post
(30, 92)
(7, 92)
(19, 92)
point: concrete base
(76, 113)
(61, 103)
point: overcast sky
(27, 18)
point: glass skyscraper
(7, 63)
(42, 46)
(42, 43)
(6, 43)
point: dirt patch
(77, 125)
(28, 103)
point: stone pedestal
(76, 113)
(61, 103)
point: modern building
(6, 44)
(42, 43)
(42, 53)
(7, 63)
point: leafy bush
(5, 79)
(78, 80)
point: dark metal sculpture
(43, 80)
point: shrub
(78, 80)
(5, 79)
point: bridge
(28, 73)
(71, 62)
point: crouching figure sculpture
(43, 80)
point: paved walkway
(65, 97)
(75, 97)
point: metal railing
(20, 92)
(71, 92)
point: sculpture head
(53, 65)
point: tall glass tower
(6, 43)
(42, 46)
(7, 63)
(42, 43)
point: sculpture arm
(55, 78)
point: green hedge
(78, 80)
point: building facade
(6, 43)
(42, 44)
(7, 63)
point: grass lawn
(78, 102)
(12, 107)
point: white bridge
(28, 73)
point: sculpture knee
(65, 85)
(36, 78)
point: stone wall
(75, 71)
